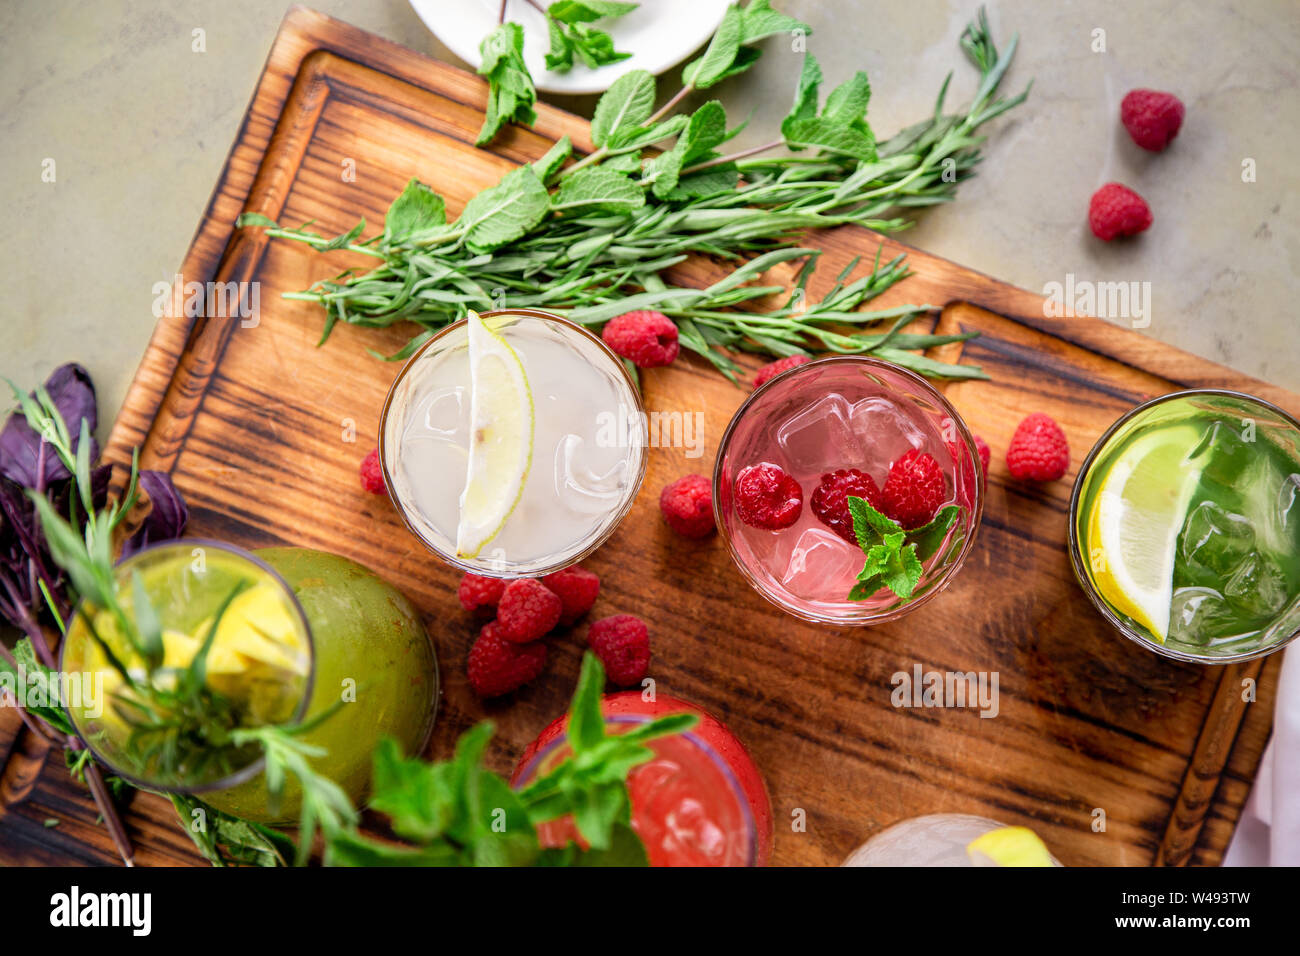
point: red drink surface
(700, 802)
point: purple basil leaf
(167, 514)
(23, 456)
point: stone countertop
(138, 124)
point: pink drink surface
(699, 802)
(810, 424)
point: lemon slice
(1140, 508)
(501, 438)
(1009, 846)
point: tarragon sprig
(580, 236)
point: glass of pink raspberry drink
(700, 802)
(848, 490)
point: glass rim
(256, 766)
(1072, 536)
(866, 618)
(615, 518)
(529, 770)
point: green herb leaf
(626, 105)
(511, 93)
(759, 20)
(417, 210)
(869, 525)
(505, 212)
(586, 11)
(598, 187)
(550, 164)
(721, 54)
(586, 722)
(928, 537)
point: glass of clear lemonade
(1185, 526)
(513, 443)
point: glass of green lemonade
(305, 632)
(1185, 526)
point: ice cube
(883, 429)
(820, 437)
(1257, 586)
(579, 483)
(1227, 456)
(1215, 539)
(1198, 615)
(822, 566)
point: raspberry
(1038, 450)
(687, 505)
(647, 338)
(477, 591)
(1116, 210)
(576, 588)
(983, 448)
(914, 489)
(767, 497)
(830, 499)
(497, 666)
(772, 369)
(372, 476)
(622, 643)
(528, 609)
(1152, 118)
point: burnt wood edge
(305, 34)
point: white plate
(659, 34)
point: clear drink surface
(1234, 570)
(588, 446)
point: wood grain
(253, 422)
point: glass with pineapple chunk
(513, 443)
(305, 634)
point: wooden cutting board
(253, 425)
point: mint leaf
(806, 94)
(707, 128)
(896, 564)
(598, 187)
(560, 57)
(586, 721)
(417, 209)
(596, 47)
(626, 105)
(721, 54)
(928, 537)
(418, 798)
(831, 136)
(625, 849)
(759, 20)
(511, 93)
(891, 559)
(548, 165)
(869, 525)
(585, 11)
(505, 211)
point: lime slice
(1009, 846)
(501, 438)
(1141, 504)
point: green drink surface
(1224, 473)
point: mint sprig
(893, 555)
(511, 93)
(567, 20)
(458, 813)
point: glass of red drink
(846, 412)
(700, 802)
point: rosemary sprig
(594, 238)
